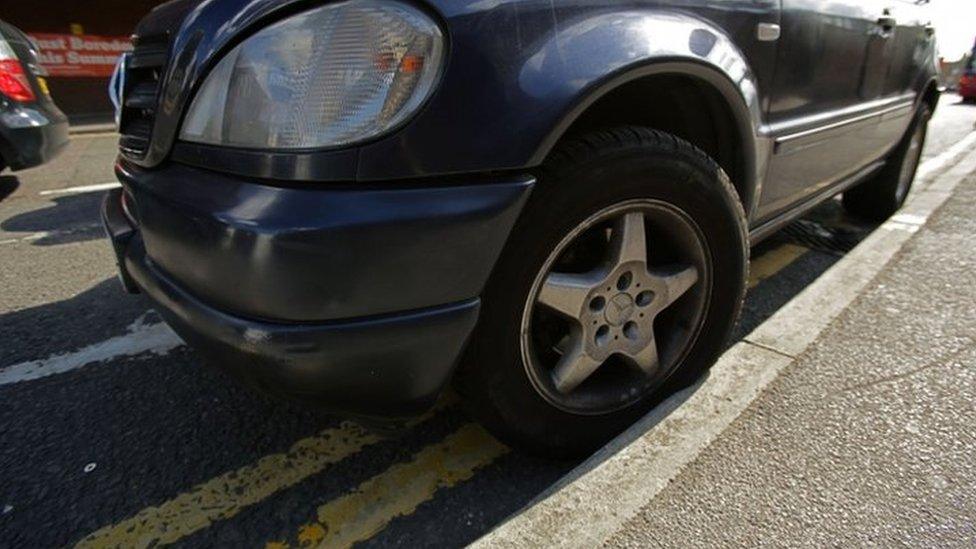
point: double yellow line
(353, 517)
(225, 496)
(398, 491)
(359, 514)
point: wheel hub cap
(620, 309)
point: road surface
(112, 431)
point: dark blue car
(549, 203)
(32, 128)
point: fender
(644, 44)
(521, 73)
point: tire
(877, 198)
(673, 187)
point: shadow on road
(72, 218)
(100, 312)
(8, 184)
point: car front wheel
(621, 283)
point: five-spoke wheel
(597, 304)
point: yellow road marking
(772, 262)
(398, 491)
(225, 496)
(310, 534)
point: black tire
(581, 177)
(877, 198)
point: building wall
(82, 94)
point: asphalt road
(113, 433)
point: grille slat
(142, 96)
(142, 80)
(151, 56)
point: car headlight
(331, 76)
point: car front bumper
(31, 136)
(359, 300)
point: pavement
(114, 433)
(869, 438)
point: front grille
(141, 97)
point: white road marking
(141, 338)
(931, 165)
(83, 189)
(53, 234)
(28, 238)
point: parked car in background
(550, 203)
(967, 82)
(32, 128)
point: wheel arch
(693, 52)
(683, 104)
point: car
(32, 128)
(547, 205)
(967, 82)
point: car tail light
(13, 79)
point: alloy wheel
(615, 307)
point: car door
(910, 49)
(913, 40)
(827, 98)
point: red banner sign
(81, 55)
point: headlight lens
(327, 77)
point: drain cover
(820, 237)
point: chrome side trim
(797, 125)
(843, 123)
